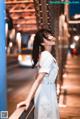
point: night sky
(74, 8)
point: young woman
(43, 89)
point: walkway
(70, 94)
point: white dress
(45, 99)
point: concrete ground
(70, 93)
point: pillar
(3, 88)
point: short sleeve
(45, 62)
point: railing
(17, 113)
(22, 113)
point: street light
(76, 38)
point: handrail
(22, 113)
(17, 113)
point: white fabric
(45, 99)
(45, 62)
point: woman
(43, 89)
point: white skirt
(45, 101)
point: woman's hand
(23, 104)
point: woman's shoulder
(48, 55)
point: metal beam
(42, 13)
(23, 15)
(17, 2)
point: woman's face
(49, 41)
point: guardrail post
(3, 90)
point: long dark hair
(37, 47)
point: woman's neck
(48, 48)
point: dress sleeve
(45, 62)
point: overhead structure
(28, 15)
(42, 13)
(47, 15)
(23, 15)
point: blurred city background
(23, 19)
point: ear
(43, 44)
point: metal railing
(22, 113)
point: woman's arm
(35, 86)
(32, 91)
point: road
(19, 80)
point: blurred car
(75, 51)
(25, 56)
(75, 46)
(74, 30)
